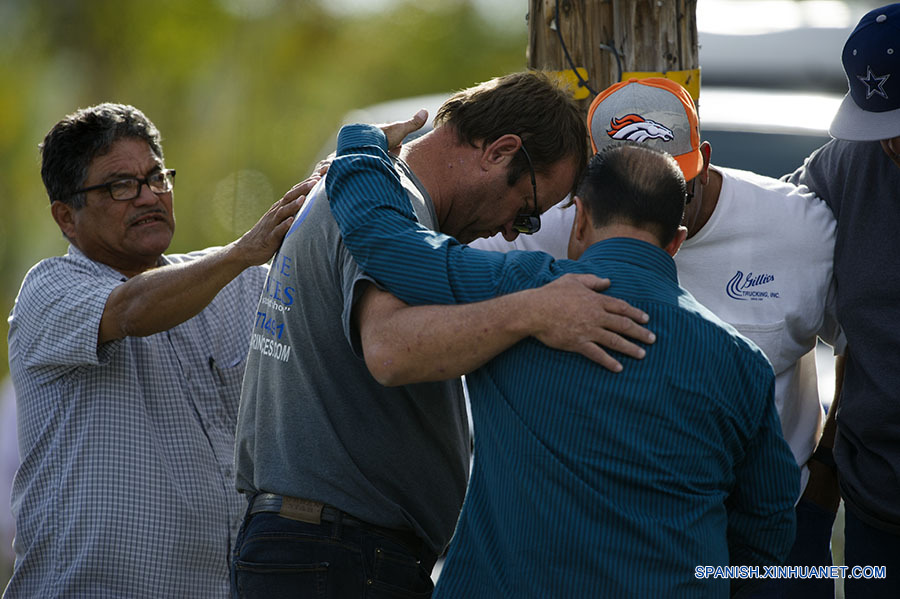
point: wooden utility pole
(611, 40)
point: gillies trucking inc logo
(748, 287)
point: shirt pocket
(769, 337)
(228, 375)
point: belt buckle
(303, 510)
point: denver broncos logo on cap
(634, 127)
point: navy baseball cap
(871, 109)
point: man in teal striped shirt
(586, 482)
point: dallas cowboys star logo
(874, 84)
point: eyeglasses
(529, 224)
(130, 188)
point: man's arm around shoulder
(405, 344)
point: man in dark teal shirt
(587, 482)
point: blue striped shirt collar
(633, 251)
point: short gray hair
(72, 144)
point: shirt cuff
(359, 136)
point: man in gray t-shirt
(306, 359)
(358, 485)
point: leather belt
(304, 510)
(315, 512)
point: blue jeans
(279, 557)
(865, 545)
(812, 547)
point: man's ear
(64, 215)
(578, 237)
(675, 244)
(500, 151)
(582, 220)
(706, 150)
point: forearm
(823, 488)
(404, 344)
(164, 297)
(411, 344)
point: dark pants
(865, 545)
(812, 547)
(278, 557)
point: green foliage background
(245, 93)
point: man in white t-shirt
(758, 254)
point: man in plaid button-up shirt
(127, 365)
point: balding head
(636, 186)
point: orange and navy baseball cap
(653, 111)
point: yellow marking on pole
(567, 79)
(690, 79)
